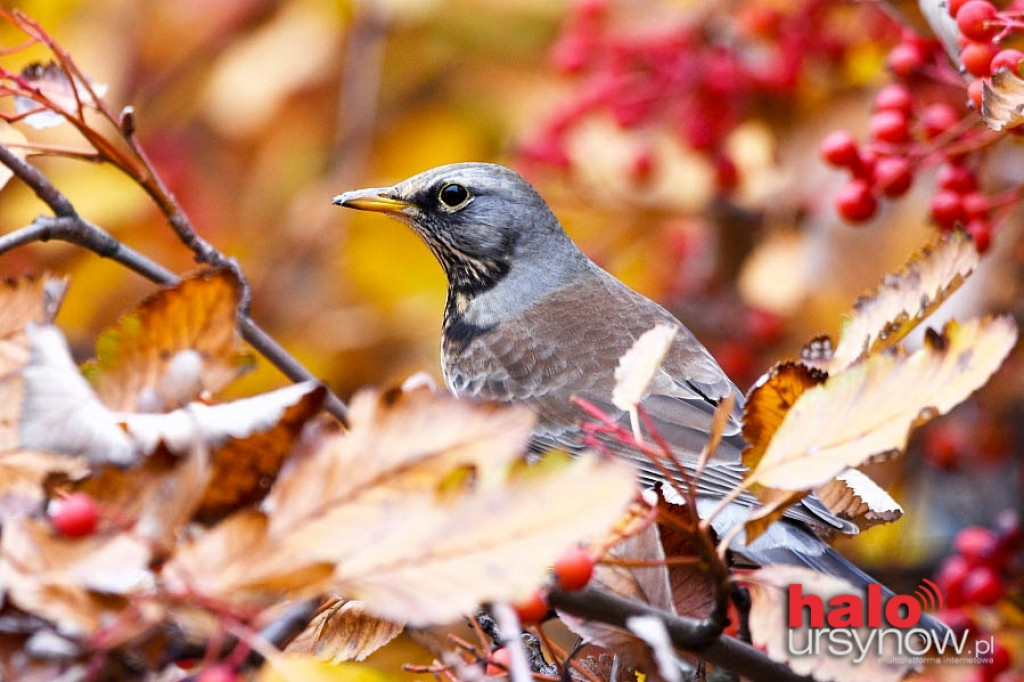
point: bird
(530, 319)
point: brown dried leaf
(769, 401)
(868, 410)
(769, 628)
(344, 631)
(77, 583)
(1002, 101)
(52, 82)
(23, 475)
(646, 584)
(179, 345)
(22, 301)
(377, 508)
(882, 318)
(61, 414)
(246, 466)
(854, 496)
(159, 497)
(413, 438)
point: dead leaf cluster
(214, 513)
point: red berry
(944, 443)
(1011, 531)
(976, 205)
(906, 58)
(865, 168)
(976, 20)
(977, 58)
(840, 149)
(893, 175)
(947, 209)
(727, 176)
(895, 97)
(736, 358)
(975, 90)
(976, 544)
(499, 657)
(1008, 59)
(889, 126)
(573, 569)
(958, 620)
(571, 53)
(533, 608)
(954, 6)
(938, 118)
(951, 576)
(983, 585)
(764, 326)
(956, 177)
(980, 230)
(218, 672)
(855, 201)
(76, 515)
(1001, 660)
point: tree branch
(688, 634)
(68, 226)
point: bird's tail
(788, 542)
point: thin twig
(68, 226)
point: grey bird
(530, 319)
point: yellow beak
(374, 199)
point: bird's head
(477, 218)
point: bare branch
(687, 634)
(68, 226)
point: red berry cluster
(906, 135)
(700, 79)
(972, 438)
(572, 572)
(979, 574)
(984, 557)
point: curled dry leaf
(386, 514)
(55, 91)
(1002, 101)
(344, 631)
(61, 414)
(883, 317)
(769, 628)
(853, 495)
(180, 345)
(638, 365)
(77, 583)
(868, 410)
(648, 584)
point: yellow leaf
(344, 631)
(374, 507)
(180, 344)
(869, 409)
(300, 668)
(882, 318)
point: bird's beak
(376, 199)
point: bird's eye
(453, 195)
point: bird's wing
(568, 345)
